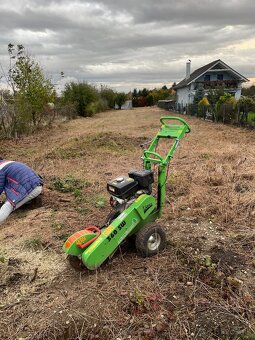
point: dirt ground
(200, 287)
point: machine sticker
(134, 221)
(81, 240)
(115, 232)
(75, 237)
(108, 230)
(122, 225)
(147, 207)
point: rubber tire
(143, 235)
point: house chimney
(188, 69)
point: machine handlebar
(163, 119)
(158, 158)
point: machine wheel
(150, 240)
(76, 263)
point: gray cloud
(128, 44)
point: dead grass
(200, 287)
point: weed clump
(68, 184)
(58, 225)
(34, 243)
(100, 202)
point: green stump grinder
(135, 208)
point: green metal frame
(143, 210)
(175, 132)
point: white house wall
(183, 96)
(238, 92)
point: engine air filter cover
(143, 177)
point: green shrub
(226, 109)
(108, 95)
(251, 117)
(81, 95)
(120, 99)
(203, 107)
(95, 107)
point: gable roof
(200, 71)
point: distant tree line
(31, 101)
(249, 91)
(147, 97)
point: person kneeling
(20, 184)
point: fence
(225, 113)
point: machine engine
(125, 189)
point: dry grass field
(200, 287)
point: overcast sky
(129, 44)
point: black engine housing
(124, 187)
(143, 177)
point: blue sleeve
(2, 181)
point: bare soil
(200, 287)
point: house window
(207, 77)
(219, 76)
